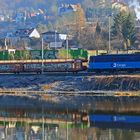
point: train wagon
(39, 66)
(48, 54)
(114, 63)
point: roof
(50, 33)
(27, 33)
(67, 8)
(23, 32)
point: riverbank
(63, 102)
(70, 83)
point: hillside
(8, 5)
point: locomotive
(114, 62)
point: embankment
(70, 83)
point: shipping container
(35, 54)
(4, 55)
(78, 53)
(48, 54)
(51, 54)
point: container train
(109, 63)
(114, 63)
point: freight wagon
(39, 66)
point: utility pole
(109, 47)
(5, 43)
(42, 54)
(55, 37)
(67, 45)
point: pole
(67, 45)
(109, 34)
(42, 54)
(5, 42)
(55, 42)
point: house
(66, 8)
(19, 38)
(20, 17)
(5, 38)
(2, 18)
(54, 39)
(27, 33)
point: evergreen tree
(124, 27)
(98, 28)
(128, 31)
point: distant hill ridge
(50, 6)
(15, 4)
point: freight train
(30, 61)
(114, 63)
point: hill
(49, 4)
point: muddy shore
(70, 83)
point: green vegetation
(124, 28)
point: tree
(124, 28)
(98, 36)
(98, 28)
(90, 39)
(87, 39)
(128, 31)
(80, 18)
(41, 28)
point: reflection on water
(61, 121)
(65, 133)
(99, 127)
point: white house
(54, 39)
(34, 34)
